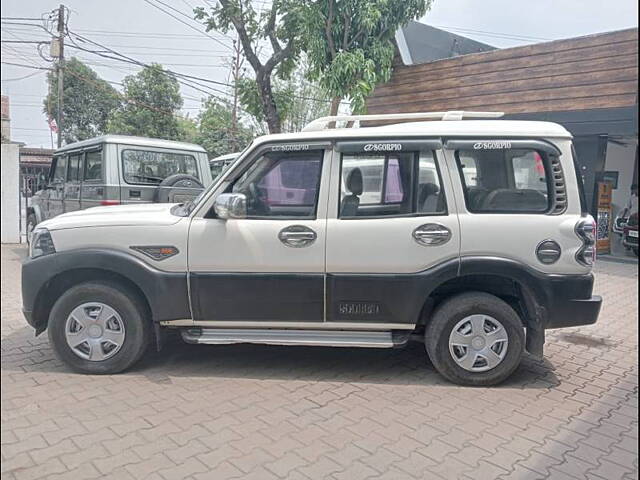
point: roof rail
(322, 123)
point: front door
(55, 202)
(268, 267)
(392, 230)
(74, 181)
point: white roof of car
(461, 128)
(131, 140)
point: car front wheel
(98, 328)
(475, 339)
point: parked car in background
(117, 169)
(630, 235)
(219, 164)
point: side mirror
(230, 205)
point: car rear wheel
(475, 339)
(98, 328)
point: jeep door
(392, 230)
(55, 187)
(74, 181)
(267, 268)
(93, 179)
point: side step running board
(326, 338)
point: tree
(150, 107)
(349, 44)
(297, 100)
(279, 26)
(216, 129)
(88, 101)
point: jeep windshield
(152, 167)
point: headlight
(41, 243)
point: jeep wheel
(98, 328)
(475, 339)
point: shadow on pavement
(404, 366)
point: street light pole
(60, 69)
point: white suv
(472, 234)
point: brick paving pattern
(260, 412)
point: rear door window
(390, 184)
(93, 166)
(509, 180)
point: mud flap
(160, 334)
(535, 342)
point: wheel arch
(45, 278)
(67, 279)
(523, 288)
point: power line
(183, 22)
(21, 78)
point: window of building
(152, 167)
(505, 180)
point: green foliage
(279, 26)
(298, 101)
(350, 43)
(215, 130)
(88, 101)
(151, 104)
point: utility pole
(61, 33)
(234, 112)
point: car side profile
(119, 169)
(470, 233)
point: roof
(461, 128)
(135, 141)
(420, 43)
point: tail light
(586, 230)
(106, 203)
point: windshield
(152, 167)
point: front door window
(282, 184)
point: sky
(142, 31)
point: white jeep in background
(473, 234)
(119, 169)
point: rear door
(392, 230)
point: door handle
(297, 236)
(431, 234)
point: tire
(456, 310)
(32, 221)
(129, 313)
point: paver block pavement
(306, 413)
